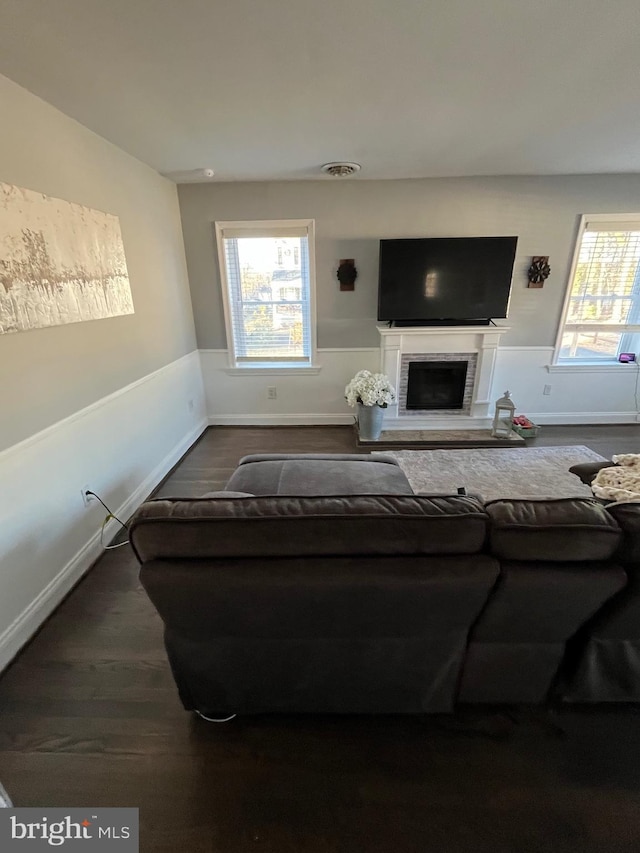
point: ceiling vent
(341, 170)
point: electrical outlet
(86, 499)
(272, 393)
(546, 390)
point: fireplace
(475, 346)
(435, 385)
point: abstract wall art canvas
(60, 262)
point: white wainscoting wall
(578, 395)
(316, 398)
(121, 447)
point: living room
(95, 114)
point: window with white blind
(268, 287)
(602, 312)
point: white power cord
(215, 719)
(106, 521)
(104, 524)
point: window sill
(270, 369)
(609, 367)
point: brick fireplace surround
(477, 345)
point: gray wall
(351, 217)
(48, 374)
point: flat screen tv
(445, 280)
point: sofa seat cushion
(308, 526)
(559, 530)
(319, 474)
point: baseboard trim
(557, 418)
(23, 628)
(583, 418)
(281, 420)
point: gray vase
(370, 422)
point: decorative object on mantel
(371, 393)
(539, 270)
(347, 274)
(503, 418)
(60, 262)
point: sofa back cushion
(558, 530)
(183, 528)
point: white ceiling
(271, 89)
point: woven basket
(526, 432)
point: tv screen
(444, 279)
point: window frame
(628, 329)
(261, 228)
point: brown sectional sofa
(330, 587)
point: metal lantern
(503, 418)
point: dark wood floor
(90, 717)
(211, 462)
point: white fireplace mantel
(426, 340)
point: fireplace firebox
(436, 384)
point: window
(602, 312)
(267, 275)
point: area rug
(536, 472)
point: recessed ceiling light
(341, 170)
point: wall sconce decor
(539, 270)
(347, 274)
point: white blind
(268, 284)
(606, 284)
(259, 231)
(612, 225)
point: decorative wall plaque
(347, 274)
(539, 270)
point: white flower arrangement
(370, 389)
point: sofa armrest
(587, 471)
